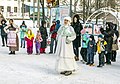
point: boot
(68, 73)
(99, 66)
(63, 72)
(13, 52)
(76, 58)
(10, 53)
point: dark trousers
(22, 42)
(4, 39)
(101, 58)
(76, 50)
(113, 58)
(108, 57)
(83, 53)
(90, 58)
(52, 45)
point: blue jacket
(89, 48)
(57, 25)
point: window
(15, 9)
(28, 0)
(2, 8)
(35, 1)
(8, 9)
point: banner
(59, 13)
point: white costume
(64, 51)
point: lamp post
(43, 11)
(57, 3)
(84, 11)
(33, 13)
(23, 9)
(70, 8)
(38, 18)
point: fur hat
(3, 20)
(68, 18)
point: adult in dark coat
(108, 36)
(115, 41)
(77, 42)
(44, 35)
(3, 34)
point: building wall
(13, 4)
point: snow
(33, 69)
(40, 69)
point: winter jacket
(85, 40)
(23, 29)
(57, 25)
(77, 28)
(53, 32)
(2, 29)
(44, 35)
(91, 49)
(29, 40)
(108, 36)
(101, 45)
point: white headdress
(68, 18)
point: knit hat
(92, 37)
(100, 36)
(3, 20)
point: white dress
(64, 51)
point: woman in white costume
(66, 63)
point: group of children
(27, 35)
(29, 38)
(93, 47)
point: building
(14, 8)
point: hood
(58, 21)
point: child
(83, 52)
(101, 50)
(38, 41)
(90, 51)
(23, 29)
(29, 39)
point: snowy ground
(24, 69)
(33, 69)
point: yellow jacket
(99, 45)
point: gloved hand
(84, 41)
(106, 52)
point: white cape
(65, 55)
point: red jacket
(52, 30)
(29, 42)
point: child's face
(28, 31)
(90, 39)
(38, 32)
(99, 39)
(3, 22)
